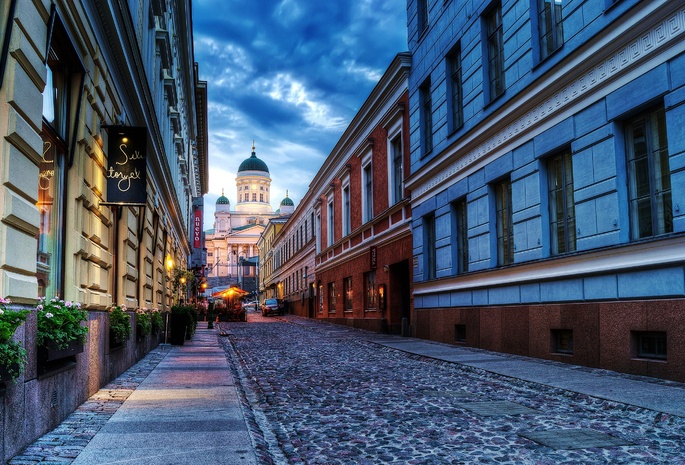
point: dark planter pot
(179, 322)
(4, 372)
(117, 342)
(50, 351)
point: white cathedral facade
(231, 246)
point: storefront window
(371, 292)
(62, 67)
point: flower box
(50, 352)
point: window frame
(426, 117)
(455, 89)
(504, 222)
(561, 195)
(494, 48)
(370, 291)
(395, 170)
(346, 212)
(430, 264)
(348, 295)
(663, 225)
(554, 28)
(330, 222)
(367, 188)
(461, 235)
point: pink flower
(39, 308)
(68, 303)
(49, 315)
(2, 311)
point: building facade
(361, 218)
(232, 245)
(547, 179)
(103, 151)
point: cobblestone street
(322, 394)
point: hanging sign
(197, 228)
(126, 165)
(373, 257)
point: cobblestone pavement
(321, 394)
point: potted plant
(119, 325)
(143, 323)
(179, 322)
(156, 320)
(60, 332)
(12, 354)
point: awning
(230, 292)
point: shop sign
(373, 257)
(127, 166)
(197, 229)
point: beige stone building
(103, 149)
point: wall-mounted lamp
(381, 296)
(386, 268)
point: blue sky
(290, 74)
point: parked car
(273, 307)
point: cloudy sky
(290, 74)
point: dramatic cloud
(290, 74)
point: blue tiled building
(548, 179)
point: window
(261, 197)
(329, 223)
(320, 290)
(396, 172)
(429, 247)
(318, 234)
(561, 341)
(550, 26)
(455, 89)
(649, 183)
(495, 43)
(367, 183)
(422, 14)
(649, 344)
(254, 196)
(426, 116)
(63, 69)
(561, 206)
(347, 294)
(346, 210)
(331, 297)
(371, 291)
(505, 230)
(461, 235)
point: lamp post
(183, 287)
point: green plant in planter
(156, 320)
(119, 322)
(12, 354)
(143, 322)
(60, 321)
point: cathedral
(231, 246)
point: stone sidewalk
(178, 405)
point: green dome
(253, 164)
(287, 202)
(223, 200)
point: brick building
(362, 215)
(547, 179)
